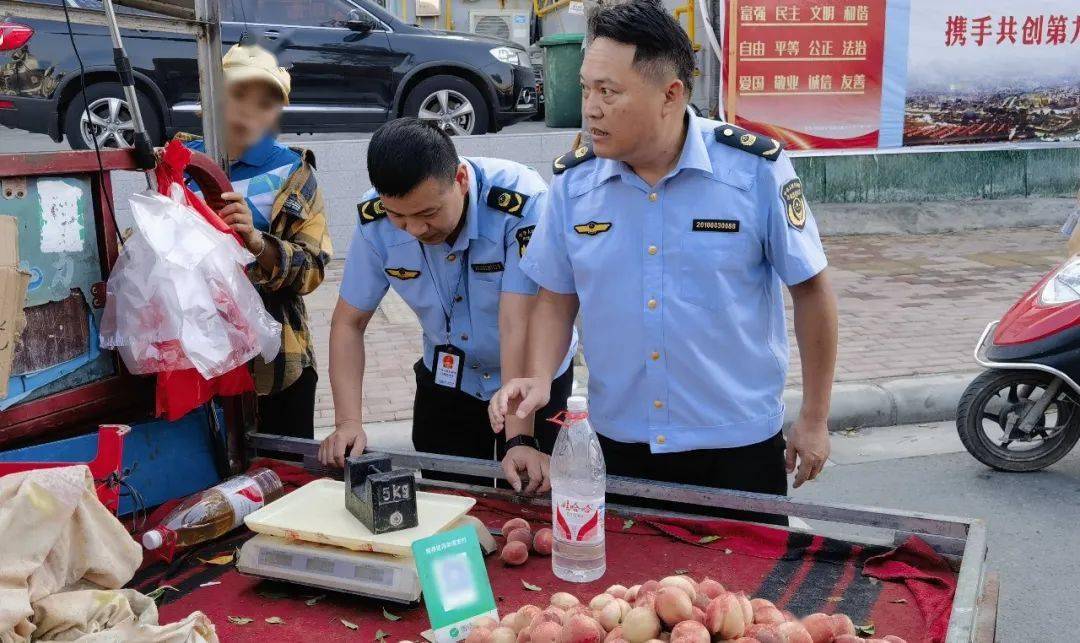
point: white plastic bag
(178, 296)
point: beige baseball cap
(251, 62)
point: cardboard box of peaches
(676, 609)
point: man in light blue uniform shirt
(674, 237)
(447, 234)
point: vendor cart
(800, 570)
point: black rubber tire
(428, 86)
(74, 108)
(969, 415)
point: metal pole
(144, 151)
(211, 80)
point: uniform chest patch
(523, 236)
(794, 203)
(508, 201)
(593, 228)
(494, 266)
(371, 210)
(715, 225)
(402, 273)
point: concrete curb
(904, 400)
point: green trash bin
(562, 86)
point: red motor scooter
(1023, 414)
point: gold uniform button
(658, 404)
(655, 356)
(451, 257)
(652, 304)
(652, 250)
(653, 196)
(660, 439)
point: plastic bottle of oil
(217, 510)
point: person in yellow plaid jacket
(277, 209)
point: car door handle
(271, 34)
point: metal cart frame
(960, 540)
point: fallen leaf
(628, 523)
(156, 594)
(210, 583)
(390, 617)
(899, 600)
(705, 540)
(680, 572)
(225, 559)
(271, 595)
(314, 599)
(275, 620)
(529, 586)
(865, 630)
(874, 581)
(727, 551)
(349, 624)
(381, 636)
(835, 599)
(240, 620)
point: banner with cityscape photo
(852, 74)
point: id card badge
(448, 365)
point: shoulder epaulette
(370, 210)
(747, 141)
(570, 159)
(508, 201)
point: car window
(96, 5)
(299, 13)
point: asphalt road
(1032, 517)
(18, 141)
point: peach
(614, 635)
(523, 635)
(548, 615)
(478, 635)
(574, 611)
(542, 542)
(760, 602)
(747, 610)
(503, 635)
(564, 600)
(710, 588)
(610, 615)
(769, 615)
(689, 632)
(893, 639)
(519, 535)
(788, 616)
(699, 615)
(640, 625)
(646, 599)
(794, 632)
(841, 624)
(624, 607)
(820, 627)
(848, 638)
(618, 591)
(724, 617)
(600, 600)
(486, 622)
(649, 586)
(673, 605)
(683, 583)
(509, 621)
(515, 553)
(546, 632)
(631, 592)
(515, 523)
(582, 629)
(524, 616)
(764, 633)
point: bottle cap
(577, 403)
(152, 539)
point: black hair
(405, 152)
(662, 47)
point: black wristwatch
(523, 440)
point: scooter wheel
(991, 408)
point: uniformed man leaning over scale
(675, 235)
(447, 234)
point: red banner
(808, 72)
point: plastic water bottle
(216, 511)
(578, 487)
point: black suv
(353, 65)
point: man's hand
(522, 397)
(237, 215)
(530, 461)
(333, 448)
(809, 439)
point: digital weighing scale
(309, 537)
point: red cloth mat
(800, 572)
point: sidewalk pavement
(911, 309)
